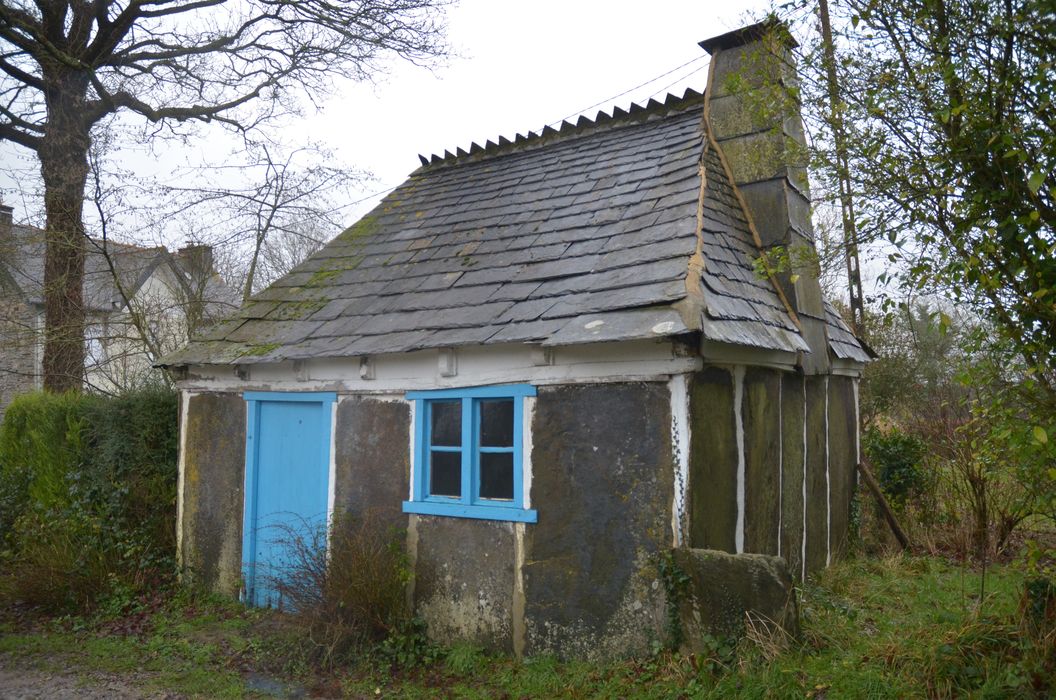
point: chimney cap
(752, 33)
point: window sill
(458, 510)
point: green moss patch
(296, 310)
(259, 350)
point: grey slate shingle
(528, 242)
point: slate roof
(842, 341)
(574, 235)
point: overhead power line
(609, 100)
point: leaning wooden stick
(885, 507)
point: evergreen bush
(898, 457)
(87, 497)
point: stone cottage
(547, 360)
(174, 291)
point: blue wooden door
(287, 487)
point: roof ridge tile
(566, 128)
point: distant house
(547, 360)
(174, 292)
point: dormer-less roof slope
(578, 235)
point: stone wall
(465, 575)
(843, 450)
(583, 581)
(713, 460)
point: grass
(878, 628)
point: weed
(345, 586)
(408, 645)
(465, 659)
(675, 582)
(768, 637)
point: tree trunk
(980, 517)
(63, 156)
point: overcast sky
(521, 66)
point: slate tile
(514, 291)
(526, 310)
(433, 282)
(632, 275)
(257, 309)
(585, 247)
(462, 336)
(686, 212)
(263, 332)
(681, 247)
(342, 327)
(453, 298)
(403, 341)
(433, 319)
(629, 297)
(219, 331)
(526, 332)
(555, 268)
(488, 276)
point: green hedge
(87, 497)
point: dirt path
(21, 681)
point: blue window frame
(469, 453)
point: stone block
(214, 465)
(757, 156)
(724, 589)
(817, 361)
(751, 66)
(602, 482)
(842, 459)
(464, 580)
(372, 459)
(748, 112)
(776, 206)
(817, 478)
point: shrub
(87, 497)
(898, 457)
(347, 596)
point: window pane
(496, 475)
(445, 474)
(496, 423)
(447, 423)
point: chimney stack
(197, 259)
(755, 118)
